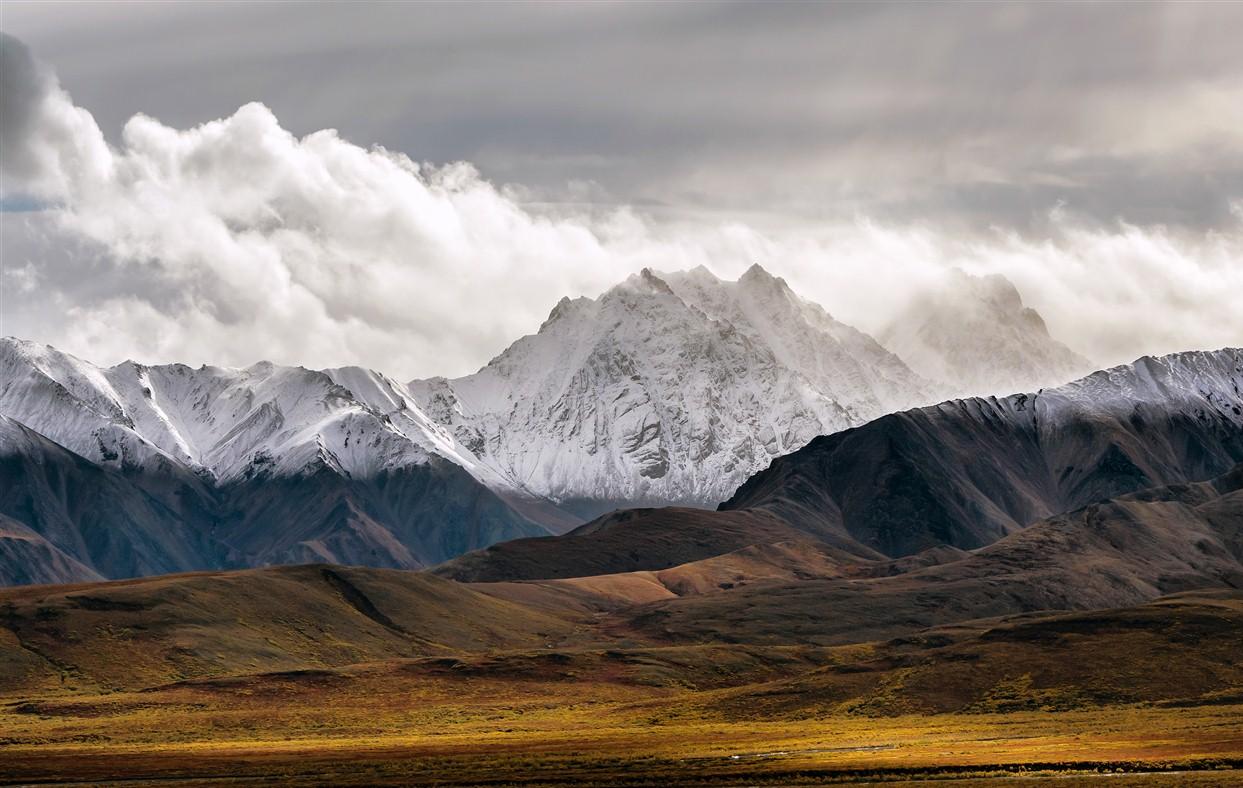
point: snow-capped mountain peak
(669, 387)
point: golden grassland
(400, 723)
(332, 676)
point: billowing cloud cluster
(235, 240)
(238, 240)
(51, 147)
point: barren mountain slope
(967, 472)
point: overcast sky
(1091, 152)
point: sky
(411, 187)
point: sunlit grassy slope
(312, 674)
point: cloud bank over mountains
(965, 115)
(235, 240)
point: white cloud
(235, 241)
(310, 250)
(48, 142)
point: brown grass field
(394, 724)
(420, 723)
(307, 676)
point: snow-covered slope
(974, 335)
(1198, 383)
(967, 472)
(221, 422)
(668, 388)
(283, 464)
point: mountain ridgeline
(961, 474)
(668, 389)
(968, 472)
(136, 470)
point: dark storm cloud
(972, 113)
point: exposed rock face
(668, 389)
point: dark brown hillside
(631, 540)
(967, 472)
(1121, 552)
(1181, 649)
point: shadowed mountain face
(100, 521)
(28, 558)
(154, 524)
(1119, 552)
(968, 472)
(404, 518)
(151, 524)
(136, 470)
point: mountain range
(211, 468)
(1041, 565)
(960, 475)
(668, 389)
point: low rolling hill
(632, 540)
(151, 631)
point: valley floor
(400, 723)
(320, 675)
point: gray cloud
(969, 113)
(22, 88)
(47, 140)
(858, 151)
